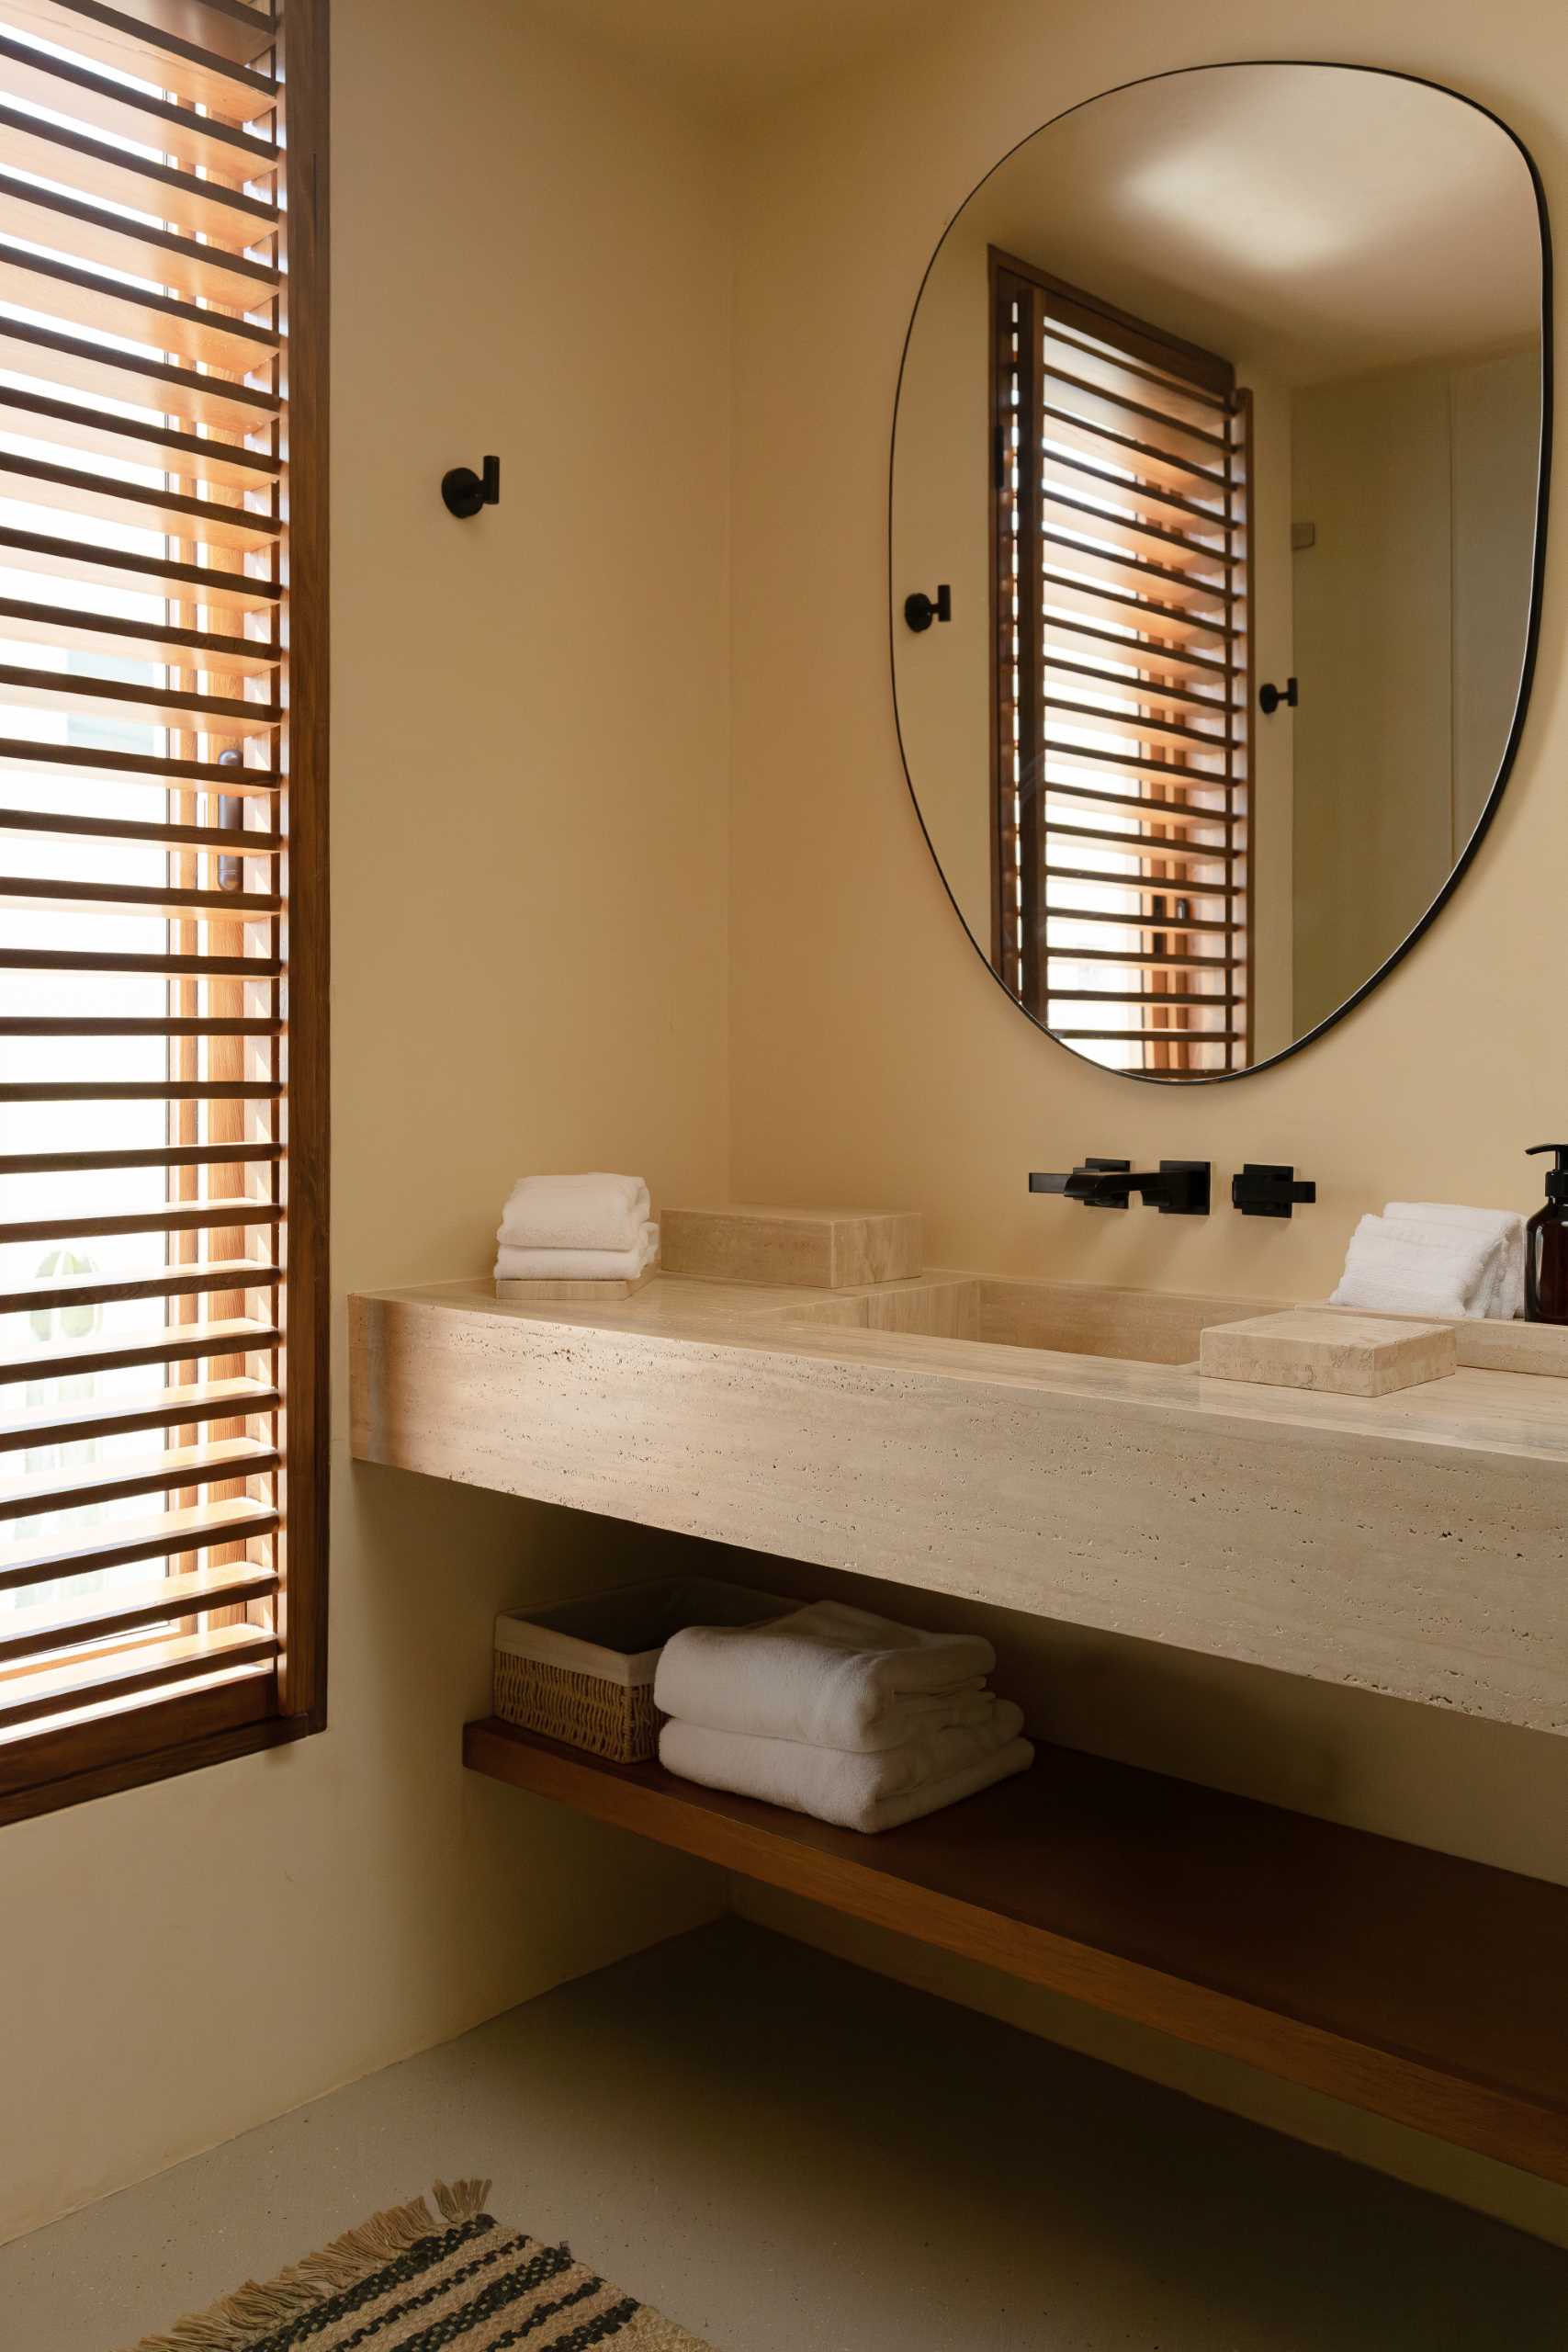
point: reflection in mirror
(1226, 382)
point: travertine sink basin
(1067, 1318)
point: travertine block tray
(810, 1248)
(1349, 1355)
(581, 1290)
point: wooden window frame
(1019, 920)
(159, 1738)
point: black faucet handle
(1181, 1187)
(1265, 1189)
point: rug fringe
(235, 2322)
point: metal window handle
(466, 491)
(920, 610)
(1270, 698)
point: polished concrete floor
(790, 2155)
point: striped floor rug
(413, 2281)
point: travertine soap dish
(1350, 1355)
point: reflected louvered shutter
(161, 906)
(1122, 670)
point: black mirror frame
(1532, 633)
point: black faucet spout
(1177, 1188)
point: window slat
(1178, 599)
(1153, 695)
(195, 141)
(232, 217)
(224, 465)
(1143, 846)
(31, 1697)
(230, 841)
(164, 1281)
(65, 1359)
(192, 337)
(152, 705)
(1190, 852)
(80, 759)
(1167, 657)
(35, 481)
(168, 1534)
(184, 267)
(129, 44)
(219, 587)
(191, 1217)
(75, 364)
(172, 1471)
(64, 627)
(166, 1408)
(1169, 813)
(1159, 544)
(99, 897)
(29, 1632)
(87, 1163)
(1138, 727)
(1089, 403)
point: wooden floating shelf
(1406, 1983)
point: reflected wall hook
(1270, 698)
(920, 610)
(466, 491)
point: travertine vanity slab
(925, 1432)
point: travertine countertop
(1411, 1544)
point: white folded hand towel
(513, 1265)
(594, 1211)
(865, 1792)
(1408, 1269)
(1502, 1295)
(827, 1674)
(1400, 1265)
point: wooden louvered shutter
(1123, 703)
(162, 965)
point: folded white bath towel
(1502, 1295)
(514, 1265)
(867, 1792)
(829, 1675)
(1460, 1266)
(594, 1211)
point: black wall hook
(466, 491)
(920, 610)
(1270, 698)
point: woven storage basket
(583, 1672)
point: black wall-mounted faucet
(1178, 1187)
(1262, 1190)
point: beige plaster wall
(530, 773)
(872, 1056)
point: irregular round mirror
(1219, 481)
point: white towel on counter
(1458, 1265)
(854, 1791)
(514, 1265)
(827, 1674)
(1502, 1295)
(594, 1211)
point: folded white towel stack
(836, 1713)
(593, 1227)
(1428, 1258)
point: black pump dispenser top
(1557, 1181)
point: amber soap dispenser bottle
(1546, 1245)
